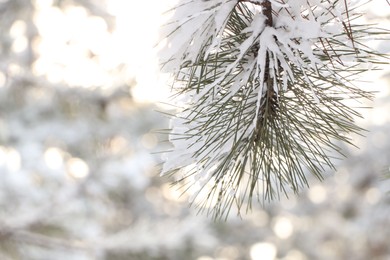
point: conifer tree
(266, 89)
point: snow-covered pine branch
(265, 85)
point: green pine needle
(262, 150)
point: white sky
(68, 37)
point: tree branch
(267, 9)
(270, 103)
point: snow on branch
(264, 83)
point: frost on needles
(265, 91)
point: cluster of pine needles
(274, 142)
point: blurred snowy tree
(75, 160)
(267, 93)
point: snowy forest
(83, 105)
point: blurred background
(79, 164)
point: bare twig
(41, 240)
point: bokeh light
(77, 168)
(317, 194)
(263, 251)
(10, 158)
(54, 158)
(283, 227)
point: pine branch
(266, 92)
